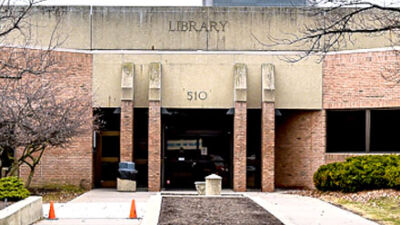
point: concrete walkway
(107, 206)
(99, 206)
(300, 210)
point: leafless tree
(17, 40)
(35, 115)
(335, 25)
(338, 24)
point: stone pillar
(213, 184)
(240, 127)
(268, 128)
(154, 160)
(127, 103)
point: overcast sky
(120, 2)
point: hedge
(359, 173)
(12, 189)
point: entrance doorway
(107, 147)
(196, 143)
(107, 158)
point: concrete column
(240, 127)
(268, 128)
(127, 104)
(154, 160)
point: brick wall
(360, 80)
(300, 147)
(239, 146)
(268, 147)
(154, 162)
(72, 164)
(126, 135)
(350, 81)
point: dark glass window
(140, 155)
(346, 131)
(253, 148)
(385, 126)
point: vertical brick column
(318, 144)
(240, 127)
(127, 98)
(268, 128)
(154, 160)
(126, 134)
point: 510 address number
(196, 95)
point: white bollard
(213, 184)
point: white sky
(120, 2)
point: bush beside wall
(359, 173)
(12, 189)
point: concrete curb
(22, 212)
(267, 206)
(153, 210)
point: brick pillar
(240, 128)
(127, 98)
(154, 146)
(126, 134)
(268, 128)
(268, 147)
(154, 158)
(239, 146)
(318, 144)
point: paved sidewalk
(99, 206)
(300, 210)
(107, 206)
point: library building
(185, 92)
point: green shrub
(13, 189)
(392, 174)
(359, 173)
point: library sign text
(193, 26)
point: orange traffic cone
(52, 214)
(133, 215)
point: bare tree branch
(16, 41)
(334, 28)
(36, 115)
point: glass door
(107, 158)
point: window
(385, 126)
(346, 131)
(363, 131)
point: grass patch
(382, 206)
(384, 210)
(57, 193)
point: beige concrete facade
(178, 28)
(298, 85)
(203, 44)
(67, 27)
